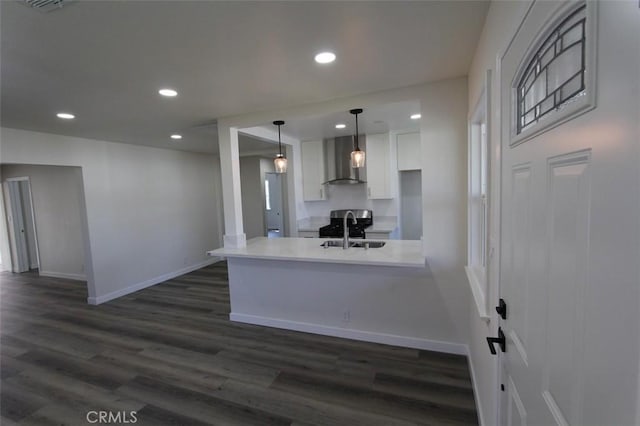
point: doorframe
(6, 263)
(495, 214)
(33, 219)
(479, 282)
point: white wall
(500, 24)
(443, 134)
(58, 209)
(151, 213)
(252, 199)
(252, 175)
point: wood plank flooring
(170, 354)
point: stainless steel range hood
(337, 154)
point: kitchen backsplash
(347, 197)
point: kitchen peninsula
(384, 295)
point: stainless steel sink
(354, 244)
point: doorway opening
(410, 204)
(46, 228)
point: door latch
(501, 309)
(500, 340)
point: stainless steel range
(335, 229)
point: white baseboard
(348, 333)
(476, 391)
(148, 283)
(76, 277)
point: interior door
(17, 228)
(570, 233)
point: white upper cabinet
(313, 172)
(409, 151)
(378, 166)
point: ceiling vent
(45, 5)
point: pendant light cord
(279, 123)
(357, 146)
(355, 112)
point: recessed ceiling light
(325, 57)
(176, 137)
(340, 126)
(168, 92)
(65, 115)
(416, 116)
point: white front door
(570, 216)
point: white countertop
(403, 253)
(384, 224)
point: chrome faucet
(345, 240)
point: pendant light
(357, 156)
(280, 161)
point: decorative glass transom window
(555, 74)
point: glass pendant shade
(281, 163)
(357, 158)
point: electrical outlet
(346, 317)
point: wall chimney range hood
(337, 153)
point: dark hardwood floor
(170, 354)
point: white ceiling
(376, 119)
(105, 61)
